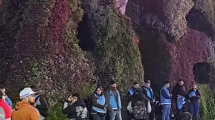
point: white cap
(26, 92)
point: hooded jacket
(178, 90)
(77, 110)
(24, 111)
(6, 107)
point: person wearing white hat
(24, 109)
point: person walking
(75, 108)
(165, 98)
(148, 92)
(139, 106)
(24, 109)
(194, 97)
(113, 102)
(99, 104)
(178, 93)
(7, 99)
(6, 107)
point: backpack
(139, 110)
(43, 105)
(82, 113)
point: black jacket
(73, 110)
(178, 90)
(197, 97)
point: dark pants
(97, 117)
(194, 109)
(152, 113)
(178, 114)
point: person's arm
(7, 99)
(95, 104)
(198, 94)
(34, 115)
(149, 108)
(129, 108)
(164, 94)
(107, 97)
(43, 103)
(68, 110)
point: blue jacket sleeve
(164, 94)
(7, 99)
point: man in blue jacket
(165, 98)
(113, 102)
(148, 92)
(7, 99)
(133, 88)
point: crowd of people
(103, 105)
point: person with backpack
(7, 99)
(24, 109)
(179, 92)
(99, 104)
(75, 108)
(148, 92)
(7, 109)
(133, 88)
(165, 98)
(139, 106)
(194, 97)
(113, 102)
(42, 103)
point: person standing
(179, 90)
(148, 92)
(99, 104)
(24, 109)
(194, 97)
(133, 88)
(7, 99)
(139, 106)
(75, 108)
(7, 109)
(113, 102)
(165, 98)
(42, 103)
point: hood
(21, 104)
(140, 97)
(80, 103)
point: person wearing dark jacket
(148, 92)
(194, 97)
(75, 108)
(138, 96)
(178, 90)
(99, 104)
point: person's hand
(70, 98)
(194, 95)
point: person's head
(136, 85)
(99, 90)
(2, 96)
(76, 97)
(167, 84)
(181, 82)
(148, 83)
(2, 88)
(27, 95)
(195, 86)
(113, 85)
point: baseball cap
(26, 92)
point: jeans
(194, 109)
(97, 117)
(115, 114)
(166, 111)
